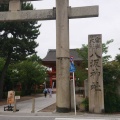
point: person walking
(50, 92)
(45, 91)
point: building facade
(50, 62)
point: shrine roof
(51, 55)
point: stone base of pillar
(102, 111)
(62, 110)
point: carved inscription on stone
(95, 59)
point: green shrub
(86, 104)
(18, 93)
(5, 94)
(111, 83)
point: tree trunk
(3, 74)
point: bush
(86, 104)
(17, 93)
(111, 96)
(112, 103)
(5, 94)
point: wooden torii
(62, 13)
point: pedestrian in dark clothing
(45, 92)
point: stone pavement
(25, 108)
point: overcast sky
(107, 24)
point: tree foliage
(111, 76)
(111, 81)
(2, 62)
(17, 40)
(105, 47)
(83, 53)
(34, 58)
(29, 74)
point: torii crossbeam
(16, 14)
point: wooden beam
(48, 14)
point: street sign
(72, 67)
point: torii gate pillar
(62, 56)
(14, 5)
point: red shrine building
(50, 62)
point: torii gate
(62, 13)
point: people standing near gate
(45, 91)
(50, 92)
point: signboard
(11, 97)
(72, 67)
(17, 97)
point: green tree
(29, 74)
(34, 58)
(17, 40)
(105, 47)
(2, 62)
(117, 58)
(81, 71)
(8, 84)
(111, 75)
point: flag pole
(74, 93)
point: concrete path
(26, 106)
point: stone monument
(95, 74)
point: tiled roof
(51, 55)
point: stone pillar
(33, 105)
(14, 5)
(62, 57)
(95, 74)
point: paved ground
(25, 106)
(23, 98)
(41, 113)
